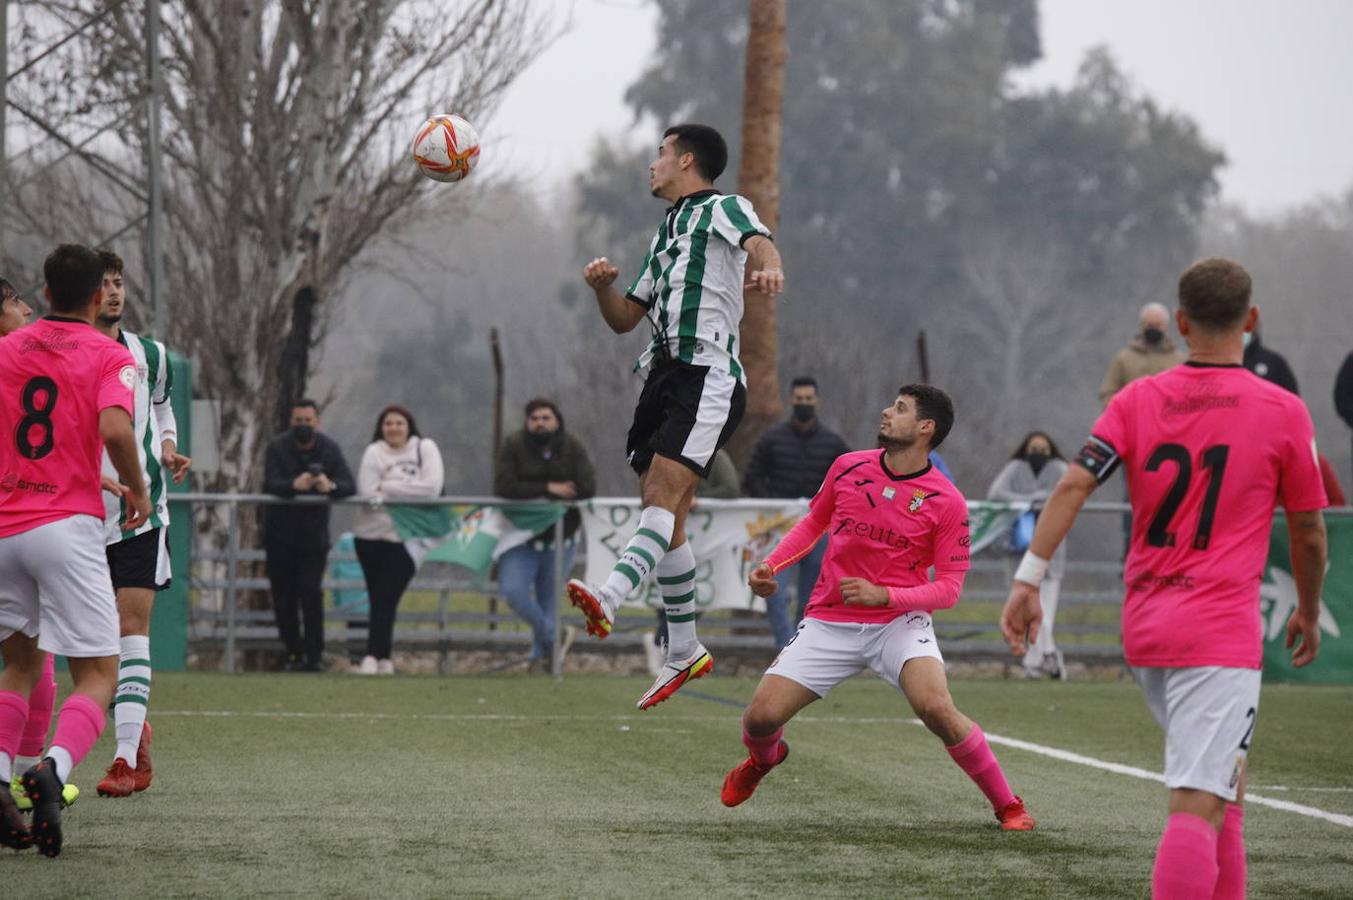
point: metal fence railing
(223, 571)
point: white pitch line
(1040, 749)
(1132, 771)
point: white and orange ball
(446, 148)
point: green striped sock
(676, 580)
(133, 695)
(643, 554)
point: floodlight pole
(159, 325)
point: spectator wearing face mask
(1029, 477)
(790, 461)
(1149, 353)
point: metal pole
(557, 585)
(4, 97)
(232, 558)
(155, 222)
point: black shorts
(685, 413)
(141, 561)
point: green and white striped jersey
(153, 423)
(691, 281)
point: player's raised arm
(1023, 613)
(620, 313)
(765, 270)
(1308, 547)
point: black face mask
(303, 434)
(804, 412)
(1153, 336)
(1037, 461)
(539, 438)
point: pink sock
(78, 726)
(1186, 860)
(13, 714)
(765, 750)
(1231, 856)
(41, 702)
(974, 756)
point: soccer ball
(446, 148)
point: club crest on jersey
(919, 497)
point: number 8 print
(38, 388)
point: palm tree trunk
(759, 181)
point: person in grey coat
(1030, 475)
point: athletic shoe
(675, 673)
(13, 832)
(368, 666)
(385, 667)
(69, 794)
(120, 780)
(44, 789)
(741, 781)
(592, 606)
(1013, 817)
(144, 770)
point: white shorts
(64, 563)
(821, 654)
(1208, 714)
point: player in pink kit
(65, 392)
(888, 516)
(1209, 451)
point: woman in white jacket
(1032, 473)
(398, 463)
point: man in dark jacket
(790, 460)
(1267, 364)
(542, 461)
(301, 462)
(1343, 391)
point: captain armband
(1099, 458)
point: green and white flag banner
(470, 536)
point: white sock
(676, 580)
(133, 695)
(642, 555)
(23, 764)
(6, 771)
(61, 759)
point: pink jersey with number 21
(56, 376)
(1209, 452)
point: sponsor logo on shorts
(11, 482)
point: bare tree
(759, 181)
(285, 148)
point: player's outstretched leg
(763, 754)
(640, 557)
(924, 683)
(686, 659)
(776, 701)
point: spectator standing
(1149, 352)
(1343, 391)
(790, 461)
(398, 464)
(301, 461)
(1029, 477)
(1267, 364)
(542, 461)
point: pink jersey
(886, 528)
(56, 375)
(1209, 452)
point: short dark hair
(305, 402)
(1214, 293)
(1022, 450)
(803, 381)
(74, 273)
(111, 261)
(395, 408)
(933, 404)
(7, 291)
(708, 146)
(536, 403)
